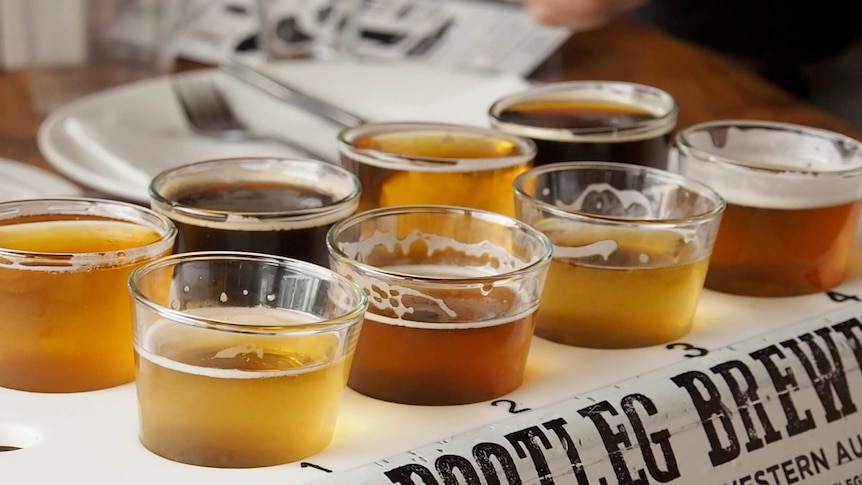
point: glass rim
(238, 217)
(167, 230)
(701, 189)
(663, 122)
(347, 136)
(535, 264)
(685, 146)
(345, 320)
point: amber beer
(793, 204)
(782, 252)
(271, 206)
(65, 324)
(437, 361)
(428, 163)
(591, 121)
(232, 400)
(452, 296)
(643, 292)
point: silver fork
(209, 113)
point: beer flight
(419, 270)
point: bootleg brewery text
(621, 426)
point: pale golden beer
(643, 293)
(435, 163)
(631, 250)
(223, 401)
(65, 324)
(242, 358)
(793, 200)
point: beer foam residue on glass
(449, 326)
(574, 239)
(385, 296)
(499, 259)
(83, 244)
(604, 199)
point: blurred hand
(578, 15)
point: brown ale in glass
(591, 121)
(273, 206)
(452, 297)
(402, 163)
(793, 203)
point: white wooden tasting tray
(91, 438)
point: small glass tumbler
(407, 163)
(267, 205)
(452, 293)
(793, 198)
(242, 358)
(65, 324)
(611, 121)
(631, 250)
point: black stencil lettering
(785, 384)
(746, 399)
(403, 475)
(840, 297)
(450, 466)
(660, 438)
(558, 426)
(526, 441)
(484, 452)
(827, 377)
(691, 350)
(612, 441)
(846, 327)
(513, 406)
(710, 408)
(305, 464)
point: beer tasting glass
(452, 299)
(242, 358)
(405, 163)
(631, 249)
(266, 205)
(793, 197)
(610, 121)
(65, 324)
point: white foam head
(773, 165)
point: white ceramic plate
(21, 181)
(115, 141)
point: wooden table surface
(706, 86)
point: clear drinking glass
(452, 293)
(405, 163)
(266, 205)
(793, 199)
(631, 250)
(65, 324)
(242, 358)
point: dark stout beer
(588, 121)
(284, 207)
